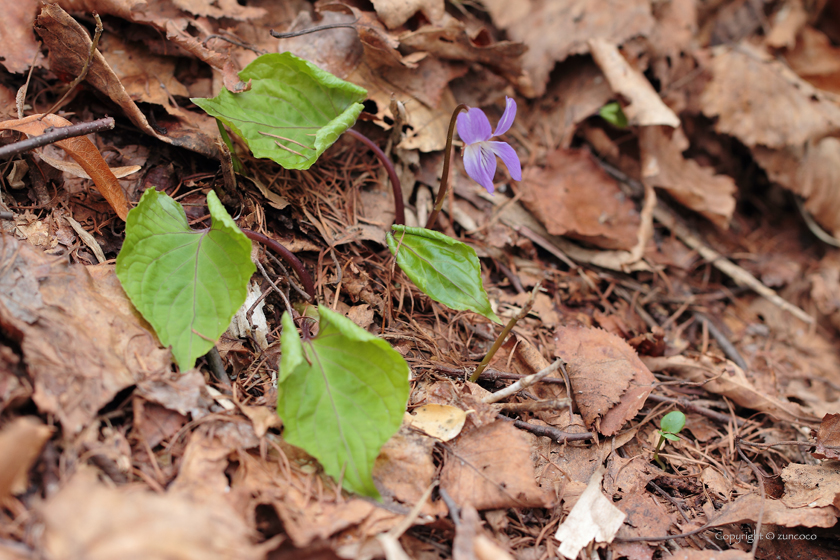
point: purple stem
(399, 206)
(444, 180)
(287, 256)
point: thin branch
(549, 431)
(53, 134)
(523, 383)
(348, 25)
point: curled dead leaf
(83, 151)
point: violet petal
(507, 117)
(473, 126)
(480, 163)
(508, 156)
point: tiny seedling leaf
(612, 113)
(670, 437)
(186, 283)
(446, 270)
(672, 423)
(341, 396)
(293, 111)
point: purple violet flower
(480, 153)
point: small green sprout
(671, 424)
(612, 113)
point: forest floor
(683, 260)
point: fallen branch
(56, 134)
(523, 383)
(549, 431)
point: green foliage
(612, 113)
(187, 284)
(293, 111)
(672, 423)
(341, 395)
(446, 270)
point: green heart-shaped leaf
(673, 422)
(341, 396)
(293, 111)
(446, 270)
(187, 284)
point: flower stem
(505, 332)
(399, 206)
(287, 256)
(444, 180)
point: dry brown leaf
(184, 392)
(220, 9)
(579, 93)
(86, 519)
(305, 517)
(787, 23)
(262, 418)
(645, 107)
(453, 42)
(154, 423)
(812, 486)
(83, 151)
(404, 468)
(337, 52)
(761, 101)
(609, 381)
(727, 379)
(18, 45)
(690, 184)
(440, 421)
(394, 13)
(471, 542)
(746, 510)
(813, 172)
(645, 517)
(21, 441)
(69, 44)
(828, 435)
(816, 60)
(490, 468)
(81, 339)
(556, 29)
(146, 77)
(573, 196)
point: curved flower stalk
(480, 151)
